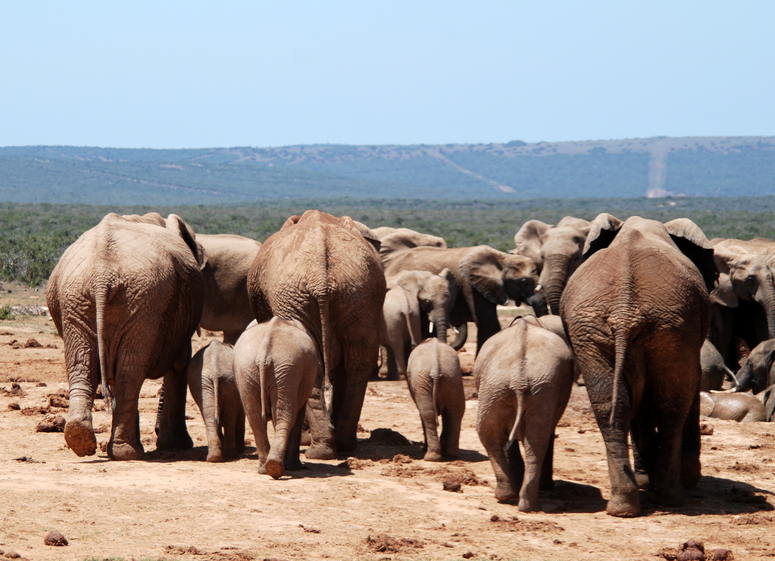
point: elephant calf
(524, 376)
(213, 387)
(276, 364)
(412, 293)
(436, 384)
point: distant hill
(653, 167)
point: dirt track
(386, 503)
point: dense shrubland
(35, 235)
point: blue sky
(205, 74)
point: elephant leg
(547, 468)
(625, 500)
(487, 322)
(321, 430)
(239, 433)
(493, 429)
(450, 433)
(392, 365)
(79, 430)
(348, 401)
(209, 408)
(172, 417)
(291, 461)
(423, 399)
(252, 405)
(691, 468)
(124, 441)
(287, 406)
(537, 440)
(644, 444)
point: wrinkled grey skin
(556, 251)
(126, 298)
(485, 278)
(276, 364)
(744, 300)
(758, 370)
(412, 294)
(714, 371)
(227, 307)
(214, 389)
(524, 376)
(320, 270)
(636, 313)
(740, 407)
(436, 384)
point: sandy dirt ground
(385, 503)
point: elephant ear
(724, 293)
(692, 242)
(153, 218)
(529, 239)
(449, 276)
(482, 268)
(179, 227)
(367, 233)
(602, 232)
(579, 224)
(408, 281)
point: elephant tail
(263, 378)
(325, 336)
(620, 350)
(100, 301)
(516, 429)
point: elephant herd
(646, 313)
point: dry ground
(386, 503)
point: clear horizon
(144, 75)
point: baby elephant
(436, 384)
(212, 385)
(740, 407)
(524, 376)
(276, 364)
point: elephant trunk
(745, 377)
(554, 277)
(538, 303)
(768, 303)
(440, 324)
(461, 337)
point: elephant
(214, 389)
(436, 384)
(524, 376)
(744, 301)
(319, 270)
(276, 364)
(636, 313)
(485, 278)
(411, 292)
(758, 370)
(226, 306)
(740, 407)
(556, 251)
(402, 239)
(714, 371)
(126, 297)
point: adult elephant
(556, 251)
(636, 313)
(226, 303)
(402, 239)
(126, 298)
(485, 278)
(318, 269)
(744, 301)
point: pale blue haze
(191, 74)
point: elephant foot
(504, 493)
(306, 438)
(432, 456)
(124, 451)
(319, 451)
(347, 445)
(274, 468)
(79, 436)
(179, 441)
(262, 469)
(691, 471)
(624, 505)
(642, 480)
(529, 505)
(214, 457)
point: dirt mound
(515, 524)
(383, 543)
(388, 437)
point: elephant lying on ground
(412, 295)
(319, 270)
(556, 252)
(740, 407)
(636, 313)
(276, 365)
(436, 385)
(214, 389)
(524, 376)
(126, 298)
(485, 278)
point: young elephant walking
(436, 384)
(213, 387)
(524, 376)
(275, 365)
